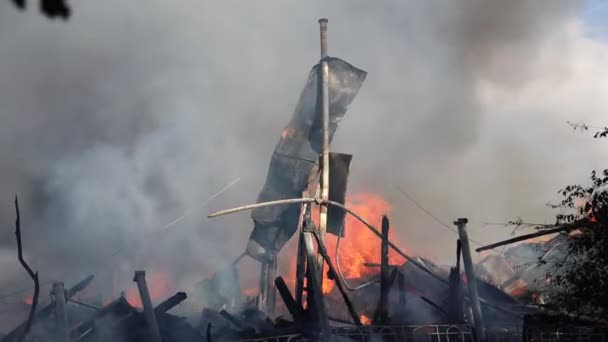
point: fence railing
(567, 334)
(453, 333)
(414, 333)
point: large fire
(359, 245)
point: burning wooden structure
(411, 299)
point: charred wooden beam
(524, 237)
(294, 308)
(334, 275)
(314, 291)
(237, 322)
(471, 280)
(153, 330)
(381, 314)
(170, 303)
(62, 333)
(455, 299)
(367, 224)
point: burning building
(345, 277)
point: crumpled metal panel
(339, 164)
(296, 154)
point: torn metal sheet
(296, 154)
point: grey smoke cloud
(122, 119)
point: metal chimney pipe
(140, 279)
(480, 332)
(61, 315)
(323, 24)
(324, 104)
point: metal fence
(417, 333)
(567, 334)
(453, 333)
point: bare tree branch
(33, 275)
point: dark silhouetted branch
(33, 275)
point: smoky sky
(127, 116)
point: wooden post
(381, 315)
(339, 285)
(455, 293)
(314, 293)
(293, 307)
(324, 85)
(140, 279)
(480, 333)
(61, 316)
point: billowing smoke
(130, 115)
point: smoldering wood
(295, 309)
(525, 237)
(349, 304)
(369, 226)
(455, 311)
(170, 303)
(237, 322)
(471, 280)
(150, 315)
(381, 315)
(314, 292)
(34, 275)
(61, 316)
(83, 304)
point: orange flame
(159, 285)
(359, 245)
(365, 320)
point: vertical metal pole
(324, 83)
(61, 316)
(480, 332)
(140, 279)
(262, 299)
